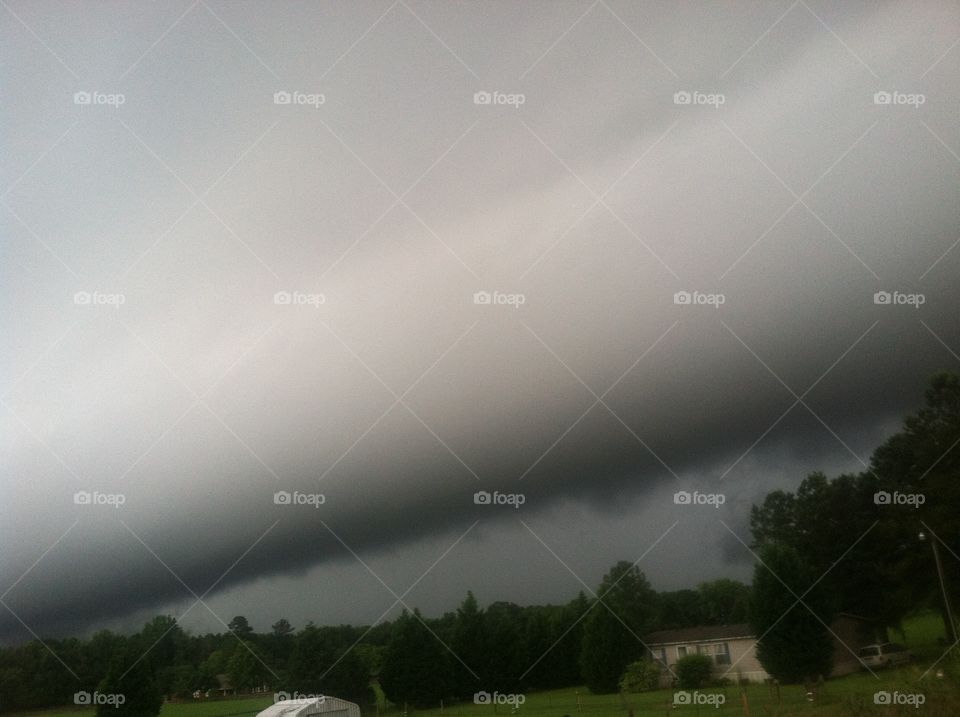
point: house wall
(743, 661)
(744, 664)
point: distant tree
(162, 643)
(245, 668)
(214, 664)
(679, 608)
(281, 628)
(324, 661)
(184, 681)
(693, 671)
(505, 628)
(240, 627)
(723, 601)
(613, 630)
(414, 664)
(98, 654)
(130, 689)
(470, 643)
(278, 645)
(567, 633)
(794, 642)
(538, 641)
(371, 656)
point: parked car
(885, 654)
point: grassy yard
(244, 706)
(849, 695)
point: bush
(693, 671)
(640, 676)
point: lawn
(245, 706)
(848, 695)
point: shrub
(640, 676)
(693, 671)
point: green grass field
(848, 695)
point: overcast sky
(580, 162)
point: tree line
(417, 660)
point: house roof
(701, 633)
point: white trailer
(319, 706)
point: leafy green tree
(130, 689)
(794, 641)
(613, 630)
(215, 664)
(325, 662)
(825, 518)
(923, 458)
(414, 664)
(245, 668)
(240, 627)
(184, 681)
(680, 608)
(281, 628)
(723, 601)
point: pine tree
(611, 636)
(129, 689)
(470, 644)
(794, 644)
(415, 665)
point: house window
(659, 654)
(681, 651)
(719, 652)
